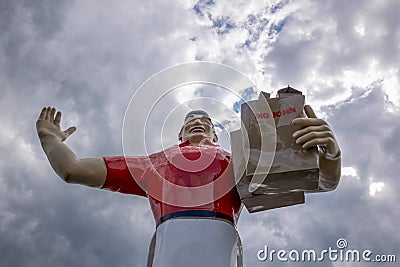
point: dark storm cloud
(63, 226)
(366, 125)
(27, 26)
(44, 222)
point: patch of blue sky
(221, 125)
(253, 38)
(277, 7)
(277, 27)
(254, 31)
(246, 95)
(247, 43)
(223, 25)
(197, 10)
(198, 7)
(251, 19)
(262, 25)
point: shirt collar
(205, 142)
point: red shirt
(180, 178)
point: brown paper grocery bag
(256, 202)
(266, 159)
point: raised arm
(90, 171)
(316, 132)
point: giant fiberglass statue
(203, 235)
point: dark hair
(197, 112)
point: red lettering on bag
(279, 113)
(262, 115)
(284, 112)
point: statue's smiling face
(196, 128)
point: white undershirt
(196, 242)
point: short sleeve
(119, 177)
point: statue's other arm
(316, 132)
(90, 171)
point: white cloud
(375, 187)
(88, 57)
(350, 171)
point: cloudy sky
(88, 58)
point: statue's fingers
(57, 120)
(47, 116)
(317, 142)
(42, 115)
(52, 112)
(312, 135)
(304, 122)
(313, 128)
(309, 111)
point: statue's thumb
(70, 130)
(309, 111)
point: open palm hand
(48, 125)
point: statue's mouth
(198, 129)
